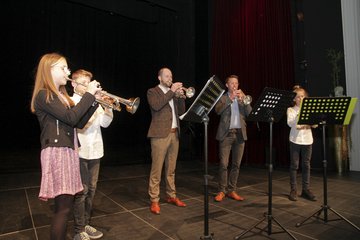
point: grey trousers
(89, 170)
(235, 143)
(296, 152)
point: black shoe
(293, 195)
(307, 194)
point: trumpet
(246, 99)
(189, 92)
(112, 101)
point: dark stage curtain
(123, 53)
(253, 39)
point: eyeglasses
(64, 68)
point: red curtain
(253, 39)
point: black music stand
(198, 112)
(270, 107)
(326, 111)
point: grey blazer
(223, 109)
(160, 125)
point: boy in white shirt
(90, 152)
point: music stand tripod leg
(283, 228)
(268, 215)
(318, 212)
(345, 219)
(206, 236)
(325, 206)
(252, 227)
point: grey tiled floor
(121, 208)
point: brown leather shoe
(219, 197)
(293, 195)
(155, 208)
(176, 201)
(235, 196)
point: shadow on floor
(121, 207)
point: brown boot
(293, 195)
(307, 194)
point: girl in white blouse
(301, 141)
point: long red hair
(44, 80)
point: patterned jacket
(160, 125)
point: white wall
(351, 30)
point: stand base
(269, 218)
(325, 208)
(211, 236)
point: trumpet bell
(132, 105)
(247, 100)
(190, 92)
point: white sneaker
(81, 236)
(92, 232)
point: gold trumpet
(112, 101)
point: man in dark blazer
(231, 135)
(167, 103)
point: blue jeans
(235, 143)
(89, 170)
(297, 151)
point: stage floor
(121, 207)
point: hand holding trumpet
(177, 89)
(176, 86)
(182, 92)
(92, 87)
(237, 93)
(240, 96)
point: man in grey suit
(167, 103)
(231, 135)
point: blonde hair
(44, 80)
(81, 73)
(231, 76)
(298, 88)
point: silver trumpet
(189, 92)
(112, 101)
(246, 100)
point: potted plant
(340, 135)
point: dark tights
(63, 205)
